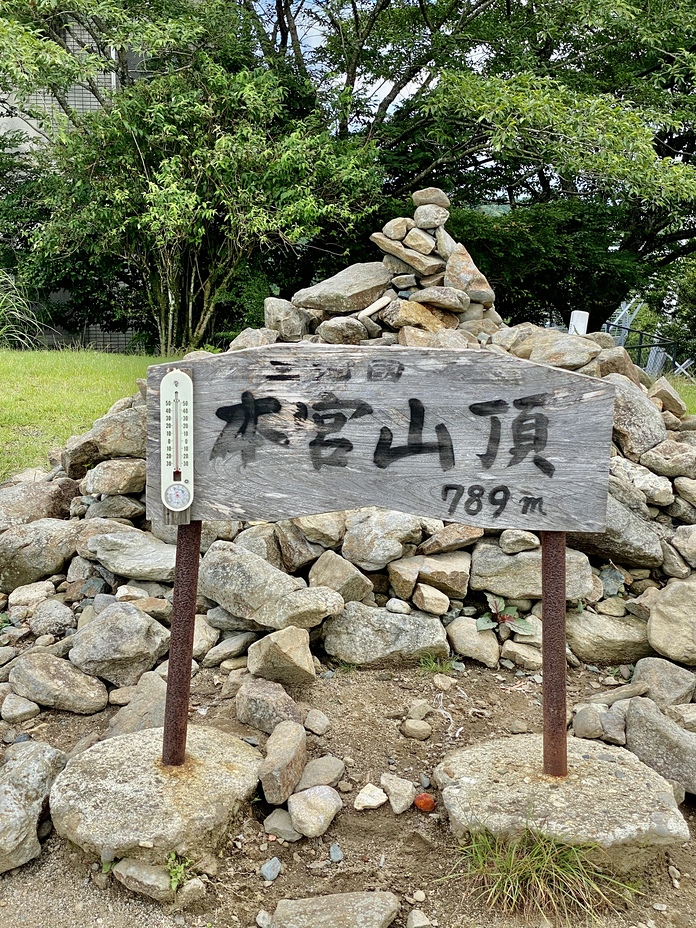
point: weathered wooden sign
(467, 436)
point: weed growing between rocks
(536, 875)
(431, 664)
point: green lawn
(47, 396)
(687, 391)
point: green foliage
(177, 868)
(18, 325)
(431, 664)
(502, 614)
(537, 875)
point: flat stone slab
(609, 798)
(342, 910)
(117, 799)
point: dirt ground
(403, 854)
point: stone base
(609, 798)
(116, 800)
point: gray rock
(448, 572)
(430, 216)
(116, 507)
(242, 582)
(369, 797)
(672, 622)
(116, 800)
(673, 564)
(468, 641)
(352, 289)
(343, 910)
(17, 709)
(428, 599)
(668, 685)
(333, 571)
(365, 635)
(304, 608)
(39, 549)
(253, 338)
(135, 554)
(286, 756)
(296, 550)
(374, 537)
(317, 722)
(684, 540)
(512, 541)
(262, 541)
(145, 708)
(205, 637)
(408, 259)
(324, 528)
(263, 704)
(683, 715)
(321, 771)
(660, 743)
(397, 228)
(116, 477)
(614, 724)
(523, 655)
(629, 496)
(450, 538)
(433, 195)
(671, 459)
(234, 646)
(417, 729)
(686, 488)
(271, 869)
(119, 644)
(657, 490)
(51, 617)
(56, 683)
(518, 576)
(401, 792)
(290, 322)
(587, 721)
(30, 596)
(283, 656)
(637, 817)
(90, 528)
(224, 621)
(145, 879)
(28, 770)
(443, 297)
(607, 639)
(313, 810)
(638, 425)
(27, 502)
(342, 330)
(279, 823)
(558, 349)
(628, 540)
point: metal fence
(651, 352)
(91, 336)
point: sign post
(469, 436)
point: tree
(568, 112)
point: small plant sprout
(177, 867)
(500, 614)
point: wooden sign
(467, 436)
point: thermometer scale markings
(176, 400)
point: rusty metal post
(188, 547)
(553, 645)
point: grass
(535, 875)
(47, 396)
(430, 664)
(687, 390)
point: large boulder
(668, 684)
(56, 683)
(39, 549)
(134, 554)
(26, 775)
(119, 645)
(661, 743)
(124, 475)
(240, 581)
(119, 435)
(657, 490)
(145, 709)
(638, 425)
(350, 290)
(366, 635)
(518, 576)
(283, 656)
(672, 622)
(27, 502)
(289, 321)
(558, 349)
(607, 639)
(628, 539)
(335, 572)
(116, 799)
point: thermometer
(176, 431)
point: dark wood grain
(559, 453)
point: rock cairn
(86, 580)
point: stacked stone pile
(86, 580)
